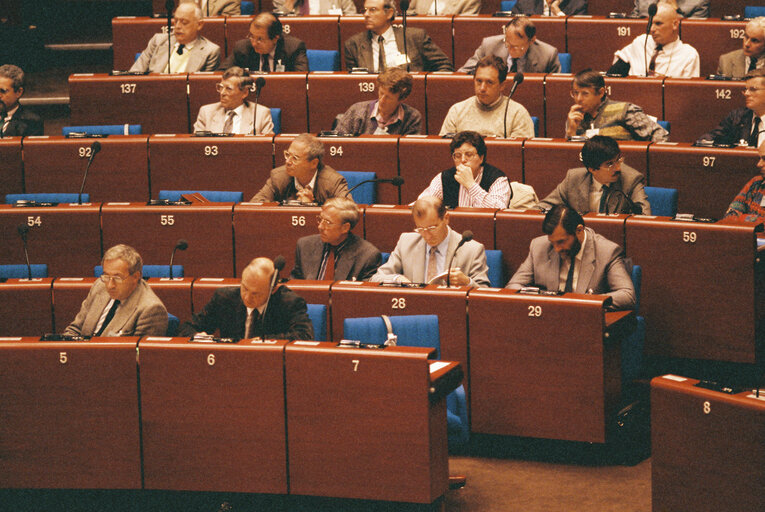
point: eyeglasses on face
(467, 154)
(292, 157)
(116, 279)
(321, 220)
(222, 87)
(613, 163)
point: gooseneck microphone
(169, 6)
(181, 245)
(260, 82)
(404, 8)
(396, 181)
(651, 13)
(466, 237)
(94, 148)
(517, 80)
(278, 266)
(634, 208)
(23, 229)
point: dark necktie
(514, 67)
(570, 277)
(179, 51)
(329, 267)
(652, 65)
(264, 63)
(755, 135)
(603, 200)
(752, 64)
(381, 56)
(305, 8)
(253, 321)
(108, 318)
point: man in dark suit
(743, 126)
(335, 253)
(303, 177)
(603, 185)
(14, 118)
(519, 47)
(120, 303)
(550, 7)
(572, 258)
(750, 56)
(267, 48)
(363, 49)
(247, 312)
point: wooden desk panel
(119, 172)
(70, 414)
(529, 380)
(383, 225)
(610, 35)
(67, 237)
(153, 231)
(68, 294)
(11, 173)
(684, 95)
(175, 294)
(317, 32)
(25, 307)
(207, 408)
(711, 38)
(720, 9)
(184, 162)
(707, 447)
(157, 102)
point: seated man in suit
(603, 185)
(190, 51)
(267, 48)
(664, 53)
(381, 46)
(688, 8)
(335, 253)
(751, 56)
(489, 112)
(594, 113)
(247, 312)
(550, 7)
(424, 255)
(572, 258)
(15, 119)
(474, 183)
(519, 47)
(309, 7)
(233, 113)
(744, 126)
(120, 303)
(444, 7)
(219, 7)
(388, 114)
(303, 177)
(749, 204)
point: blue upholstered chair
(149, 271)
(535, 120)
(365, 194)
(507, 5)
(172, 325)
(753, 11)
(666, 125)
(247, 8)
(318, 315)
(323, 60)
(565, 62)
(663, 200)
(22, 272)
(494, 261)
(46, 198)
(276, 118)
(385, 257)
(216, 196)
(104, 129)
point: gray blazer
(212, 117)
(358, 260)
(408, 259)
(574, 191)
(603, 270)
(205, 55)
(222, 8)
(451, 7)
(141, 314)
(732, 64)
(689, 8)
(540, 57)
(423, 53)
(347, 6)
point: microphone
(169, 6)
(396, 180)
(635, 209)
(23, 229)
(3, 113)
(466, 237)
(278, 266)
(517, 80)
(181, 244)
(651, 13)
(260, 82)
(404, 8)
(94, 148)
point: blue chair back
(386, 256)
(365, 194)
(494, 261)
(276, 118)
(323, 60)
(46, 198)
(247, 7)
(172, 325)
(535, 120)
(149, 271)
(216, 196)
(104, 129)
(637, 278)
(565, 62)
(665, 124)
(507, 5)
(22, 272)
(663, 200)
(318, 315)
(412, 330)
(753, 11)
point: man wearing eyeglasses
(15, 119)
(120, 303)
(234, 114)
(303, 178)
(519, 47)
(267, 48)
(189, 51)
(594, 113)
(743, 126)
(424, 256)
(336, 254)
(604, 185)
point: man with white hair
(751, 56)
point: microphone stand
(397, 181)
(466, 237)
(404, 8)
(278, 266)
(169, 6)
(651, 14)
(23, 230)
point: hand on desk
(457, 278)
(305, 195)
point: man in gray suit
(751, 56)
(189, 51)
(444, 7)
(335, 253)
(425, 255)
(120, 303)
(519, 47)
(572, 258)
(688, 8)
(603, 185)
(219, 7)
